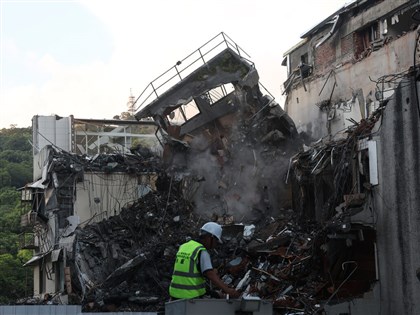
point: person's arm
(210, 273)
(215, 279)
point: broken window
(216, 94)
(365, 39)
(367, 164)
(38, 204)
(92, 137)
(183, 113)
(304, 58)
(304, 67)
(351, 260)
(388, 28)
(374, 32)
(401, 22)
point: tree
(14, 279)
(5, 178)
(15, 171)
(20, 174)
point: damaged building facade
(319, 201)
(352, 91)
(224, 131)
(104, 214)
(84, 171)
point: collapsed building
(84, 171)
(104, 217)
(313, 213)
(223, 132)
(352, 90)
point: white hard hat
(214, 229)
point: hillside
(15, 172)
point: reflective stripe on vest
(187, 281)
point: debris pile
(141, 159)
(228, 164)
(279, 263)
(234, 161)
(298, 263)
(218, 127)
(125, 263)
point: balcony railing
(27, 241)
(28, 219)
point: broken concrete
(299, 225)
(233, 140)
(300, 260)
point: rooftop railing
(186, 66)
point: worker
(193, 265)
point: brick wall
(359, 46)
(324, 56)
(347, 51)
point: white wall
(102, 195)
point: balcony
(28, 241)
(28, 219)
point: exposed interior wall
(342, 85)
(53, 130)
(102, 195)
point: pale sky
(82, 57)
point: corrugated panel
(56, 310)
(40, 310)
(121, 313)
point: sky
(84, 58)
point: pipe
(336, 18)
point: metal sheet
(35, 258)
(55, 254)
(373, 162)
(37, 184)
(214, 306)
(57, 310)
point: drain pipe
(336, 18)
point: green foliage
(9, 198)
(5, 178)
(15, 139)
(15, 157)
(9, 243)
(10, 212)
(15, 280)
(15, 172)
(20, 174)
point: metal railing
(186, 66)
(27, 241)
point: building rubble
(289, 213)
(299, 253)
(125, 263)
(311, 213)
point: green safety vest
(187, 281)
